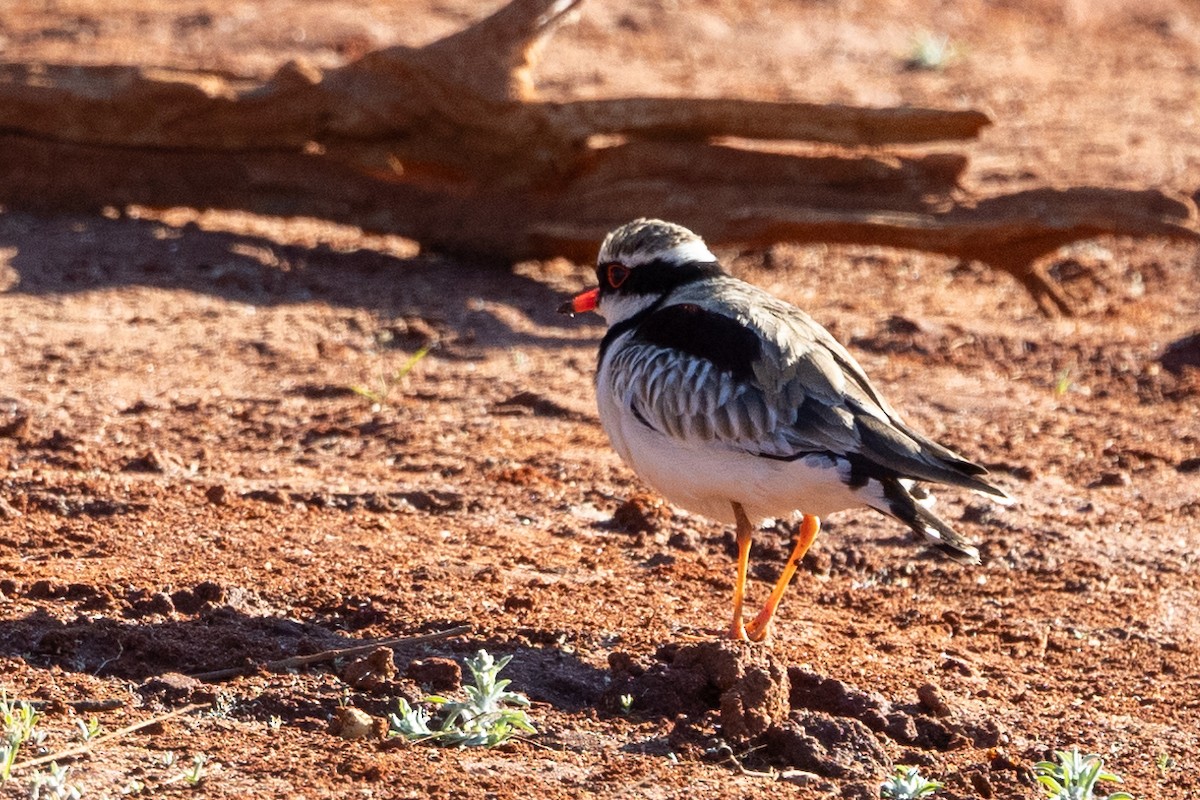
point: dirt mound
(792, 718)
(746, 683)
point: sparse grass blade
(378, 395)
(930, 52)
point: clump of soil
(833, 747)
(439, 674)
(792, 717)
(747, 684)
(372, 671)
(643, 513)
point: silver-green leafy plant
(135, 787)
(908, 784)
(20, 720)
(194, 775)
(87, 730)
(53, 785)
(411, 723)
(491, 715)
(1075, 776)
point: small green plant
(1075, 776)
(930, 51)
(1062, 383)
(1164, 762)
(626, 704)
(20, 720)
(133, 788)
(491, 715)
(53, 785)
(87, 730)
(907, 784)
(378, 395)
(194, 775)
(411, 723)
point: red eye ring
(617, 274)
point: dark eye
(617, 273)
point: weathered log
(878, 200)
(464, 103)
(448, 144)
(1011, 232)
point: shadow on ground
(67, 254)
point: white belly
(705, 478)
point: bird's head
(639, 263)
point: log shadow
(66, 254)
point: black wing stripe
(723, 341)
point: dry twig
(329, 655)
(88, 746)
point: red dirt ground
(190, 482)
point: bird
(738, 406)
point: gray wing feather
(807, 395)
(688, 399)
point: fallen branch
(449, 144)
(465, 103)
(329, 655)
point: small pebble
(352, 723)
(933, 700)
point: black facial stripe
(728, 344)
(658, 276)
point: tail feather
(899, 502)
(905, 452)
(945, 538)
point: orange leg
(759, 629)
(737, 631)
